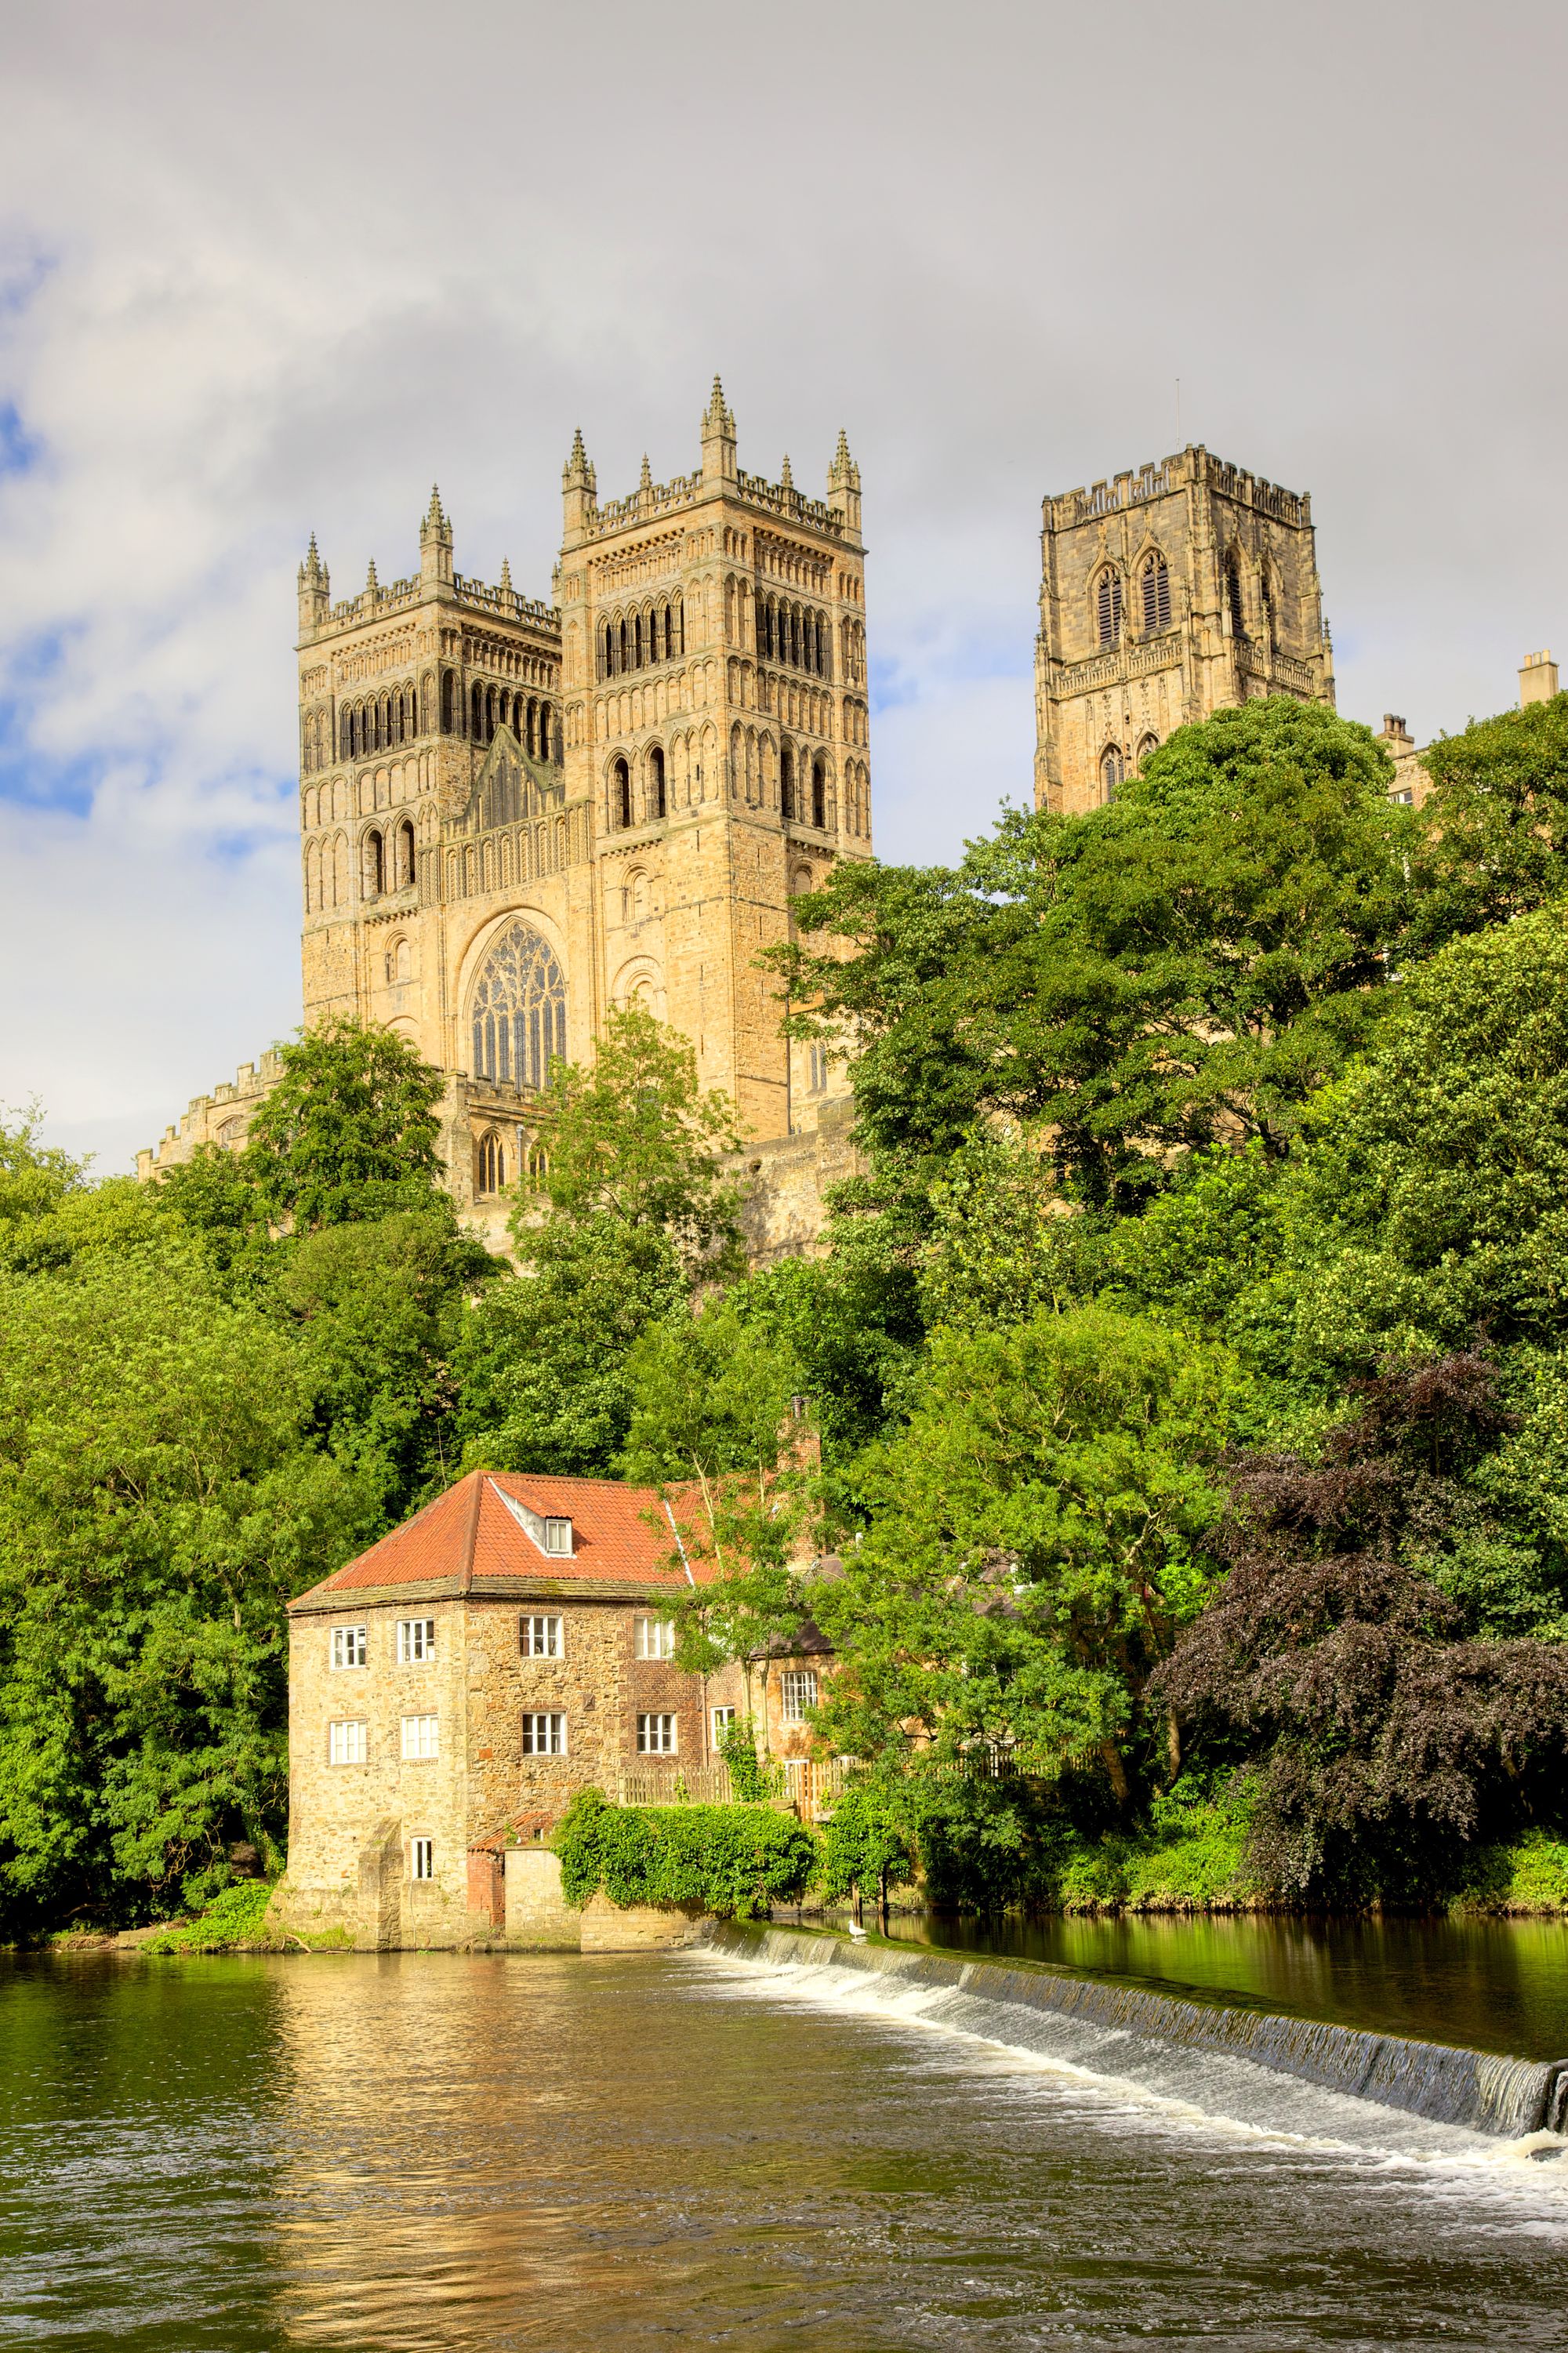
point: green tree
(349, 1129)
(160, 1498)
(1036, 1541)
(1494, 831)
(630, 1207)
(1187, 964)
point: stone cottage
(452, 1689)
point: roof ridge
(471, 1534)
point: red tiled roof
(468, 1538)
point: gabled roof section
(470, 1540)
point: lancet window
(651, 633)
(795, 635)
(1108, 607)
(1112, 770)
(519, 1013)
(1233, 597)
(1155, 581)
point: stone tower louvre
(1165, 594)
(713, 687)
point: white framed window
(545, 1735)
(351, 1646)
(415, 1640)
(557, 1536)
(797, 1692)
(818, 1081)
(656, 1733)
(347, 1744)
(723, 1717)
(421, 1738)
(656, 1638)
(421, 1858)
(541, 1638)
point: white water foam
(1132, 2084)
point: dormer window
(557, 1536)
(552, 1535)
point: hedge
(733, 1861)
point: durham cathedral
(515, 815)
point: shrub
(235, 1918)
(734, 1861)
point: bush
(733, 1861)
(1530, 1875)
(233, 1920)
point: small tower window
(375, 866)
(786, 784)
(656, 780)
(819, 793)
(1112, 770)
(448, 702)
(1233, 597)
(621, 793)
(1108, 607)
(1156, 581)
(1147, 744)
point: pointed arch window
(1108, 607)
(786, 784)
(405, 855)
(1147, 744)
(1155, 581)
(490, 1165)
(656, 781)
(374, 865)
(518, 1012)
(819, 793)
(621, 793)
(1112, 770)
(1233, 595)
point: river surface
(433, 2152)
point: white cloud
(265, 271)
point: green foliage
(634, 1141)
(1195, 959)
(234, 1920)
(752, 1780)
(1529, 1875)
(1434, 1201)
(733, 1861)
(1494, 831)
(160, 1498)
(349, 1131)
(1036, 1540)
(866, 1844)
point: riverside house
(452, 1689)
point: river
(435, 2152)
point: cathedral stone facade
(1163, 596)
(515, 815)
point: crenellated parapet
(221, 1118)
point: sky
(271, 270)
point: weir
(1479, 2091)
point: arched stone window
(1146, 745)
(786, 783)
(448, 702)
(549, 749)
(1233, 595)
(399, 961)
(375, 866)
(518, 1010)
(1108, 605)
(621, 793)
(346, 729)
(1155, 581)
(1112, 769)
(819, 792)
(405, 861)
(489, 1164)
(656, 781)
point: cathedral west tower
(1165, 594)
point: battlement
(375, 603)
(654, 499)
(222, 1117)
(1158, 480)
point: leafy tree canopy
(1494, 831)
(1191, 961)
(350, 1129)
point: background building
(1163, 596)
(516, 815)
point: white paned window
(350, 1646)
(346, 1744)
(656, 1638)
(723, 1717)
(545, 1735)
(797, 1692)
(656, 1734)
(557, 1536)
(421, 1858)
(541, 1638)
(421, 1737)
(415, 1640)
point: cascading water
(1106, 2026)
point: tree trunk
(1111, 1756)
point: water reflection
(1495, 1985)
(452, 2153)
